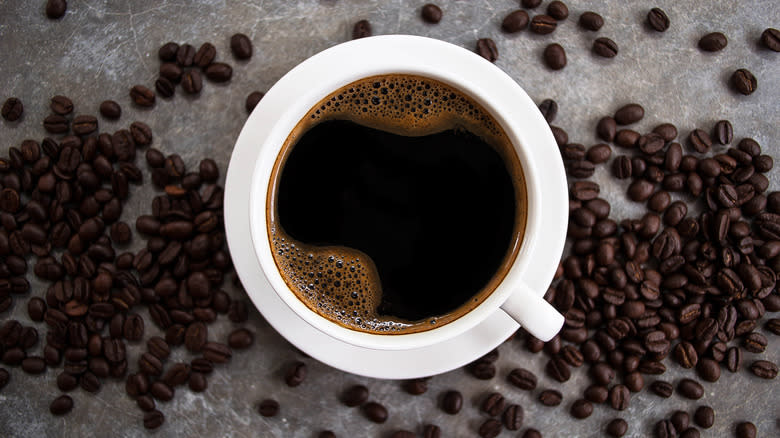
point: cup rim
(286, 103)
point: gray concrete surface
(102, 47)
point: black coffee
(393, 208)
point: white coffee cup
(293, 96)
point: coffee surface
(396, 205)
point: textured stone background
(101, 48)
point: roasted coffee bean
(61, 105)
(596, 393)
(84, 125)
(161, 391)
(713, 42)
(167, 52)
(658, 20)
(619, 397)
(296, 374)
(217, 72)
(606, 128)
(690, 389)
(764, 369)
(216, 352)
(56, 9)
(755, 342)
(431, 13)
(62, 404)
(490, 428)
(598, 153)
(605, 47)
(110, 109)
(680, 420)
(558, 369)
(704, 417)
(581, 408)
(415, 386)
(142, 96)
(515, 22)
(361, 29)
(355, 395)
(746, 429)
(493, 404)
(241, 46)
(550, 397)
(591, 21)
(513, 417)
(700, 141)
(770, 38)
(561, 137)
(708, 370)
(685, 354)
(375, 412)
(5, 376)
(33, 365)
(56, 124)
(12, 109)
(661, 388)
(549, 109)
(558, 10)
(543, 24)
(153, 419)
(89, 382)
(522, 378)
(482, 370)
(431, 431)
(191, 82)
(196, 337)
(530, 4)
(554, 56)
(240, 339)
(733, 359)
(205, 55)
(451, 402)
(723, 132)
(252, 99)
(629, 114)
(149, 364)
(744, 81)
(487, 49)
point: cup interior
(304, 86)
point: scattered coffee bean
(770, 38)
(205, 55)
(617, 427)
(240, 339)
(355, 395)
(490, 428)
(543, 24)
(142, 96)
(658, 20)
(581, 409)
(416, 386)
(558, 10)
(487, 49)
(241, 46)
(431, 431)
(513, 417)
(605, 47)
(268, 408)
(296, 374)
(661, 388)
(744, 81)
(746, 429)
(704, 417)
(375, 412)
(252, 99)
(550, 397)
(451, 402)
(167, 52)
(628, 114)
(431, 13)
(591, 21)
(61, 105)
(493, 404)
(12, 109)
(218, 72)
(515, 22)
(153, 419)
(690, 389)
(110, 109)
(61, 405)
(56, 8)
(522, 378)
(555, 56)
(532, 433)
(764, 369)
(713, 42)
(361, 29)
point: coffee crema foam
(342, 284)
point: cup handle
(533, 312)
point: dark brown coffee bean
(33, 365)
(142, 96)
(5, 377)
(619, 397)
(55, 9)
(658, 20)
(361, 29)
(192, 82)
(770, 38)
(12, 109)
(487, 49)
(84, 125)
(252, 99)
(661, 388)
(375, 412)
(241, 46)
(515, 22)
(640, 190)
(690, 389)
(217, 72)
(415, 386)
(493, 404)
(110, 109)
(606, 128)
(161, 391)
(581, 408)
(700, 141)
(482, 370)
(451, 402)
(61, 105)
(764, 369)
(558, 369)
(713, 42)
(561, 137)
(56, 124)
(746, 430)
(149, 364)
(627, 138)
(522, 378)
(196, 337)
(723, 132)
(490, 428)
(167, 52)
(550, 397)
(605, 47)
(665, 429)
(296, 374)
(733, 359)
(744, 81)
(704, 417)
(431, 13)
(629, 114)
(530, 4)
(513, 417)
(543, 24)
(558, 10)
(685, 354)
(598, 153)
(431, 431)
(355, 395)
(205, 55)
(755, 342)
(708, 370)
(216, 352)
(240, 339)
(591, 21)
(554, 56)
(153, 419)
(62, 404)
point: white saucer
(386, 364)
